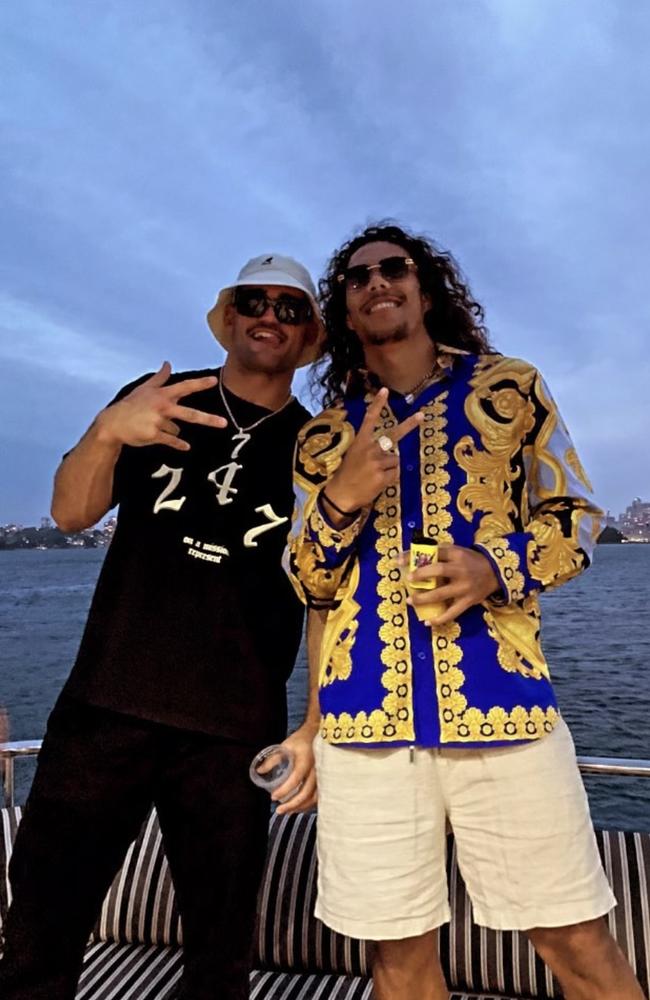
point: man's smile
(381, 303)
(268, 335)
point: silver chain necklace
(244, 433)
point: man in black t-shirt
(180, 677)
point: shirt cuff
(507, 568)
(328, 534)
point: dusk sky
(150, 148)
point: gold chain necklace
(412, 393)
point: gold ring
(385, 443)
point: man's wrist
(340, 512)
(337, 514)
(340, 500)
(312, 721)
(103, 433)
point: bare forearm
(83, 484)
(315, 628)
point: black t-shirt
(194, 623)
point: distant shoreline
(52, 538)
(96, 538)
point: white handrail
(628, 767)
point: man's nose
(377, 282)
(268, 307)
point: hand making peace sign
(367, 468)
(149, 413)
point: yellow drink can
(424, 552)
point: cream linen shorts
(525, 842)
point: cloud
(149, 151)
(33, 338)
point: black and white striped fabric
(475, 958)
(503, 961)
(115, 971)
(626, 857)
(288, 936)
(10, 817)
(285, 986)
(299, 958)
(288, 986)
(140, 907)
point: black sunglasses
(390, 268)
(289, 309)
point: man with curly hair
(437, 704)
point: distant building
(635, 521)
(108, 528)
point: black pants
(98, 774)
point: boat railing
(624, 767)
(9, 753)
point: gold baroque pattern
(322, 443)
(551, 554)
(436, 521)
(334, 538)
(557, 487)
(497, 724)
(458, 723)
(394, 721)
(340, 635)
(434, 478)
(307, 562)
(574, 463)
(517, 638)
(507, 562)
(503, 415)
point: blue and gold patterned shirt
(491, 467)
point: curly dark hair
(455, 318)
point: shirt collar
(361, 380)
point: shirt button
(421, 655)
(411, 524)
(410, 468)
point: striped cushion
(287, 986)
(137, 972)
(10, 817)
(626, 857)
(475, 958)
(140, 906)
(289, 937)
(129, 972)
(481, 959)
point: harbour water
(595, 633)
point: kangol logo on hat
(268, 271)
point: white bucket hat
(266, 271)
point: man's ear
(229, 316)
(311, 335)
(426, 301)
